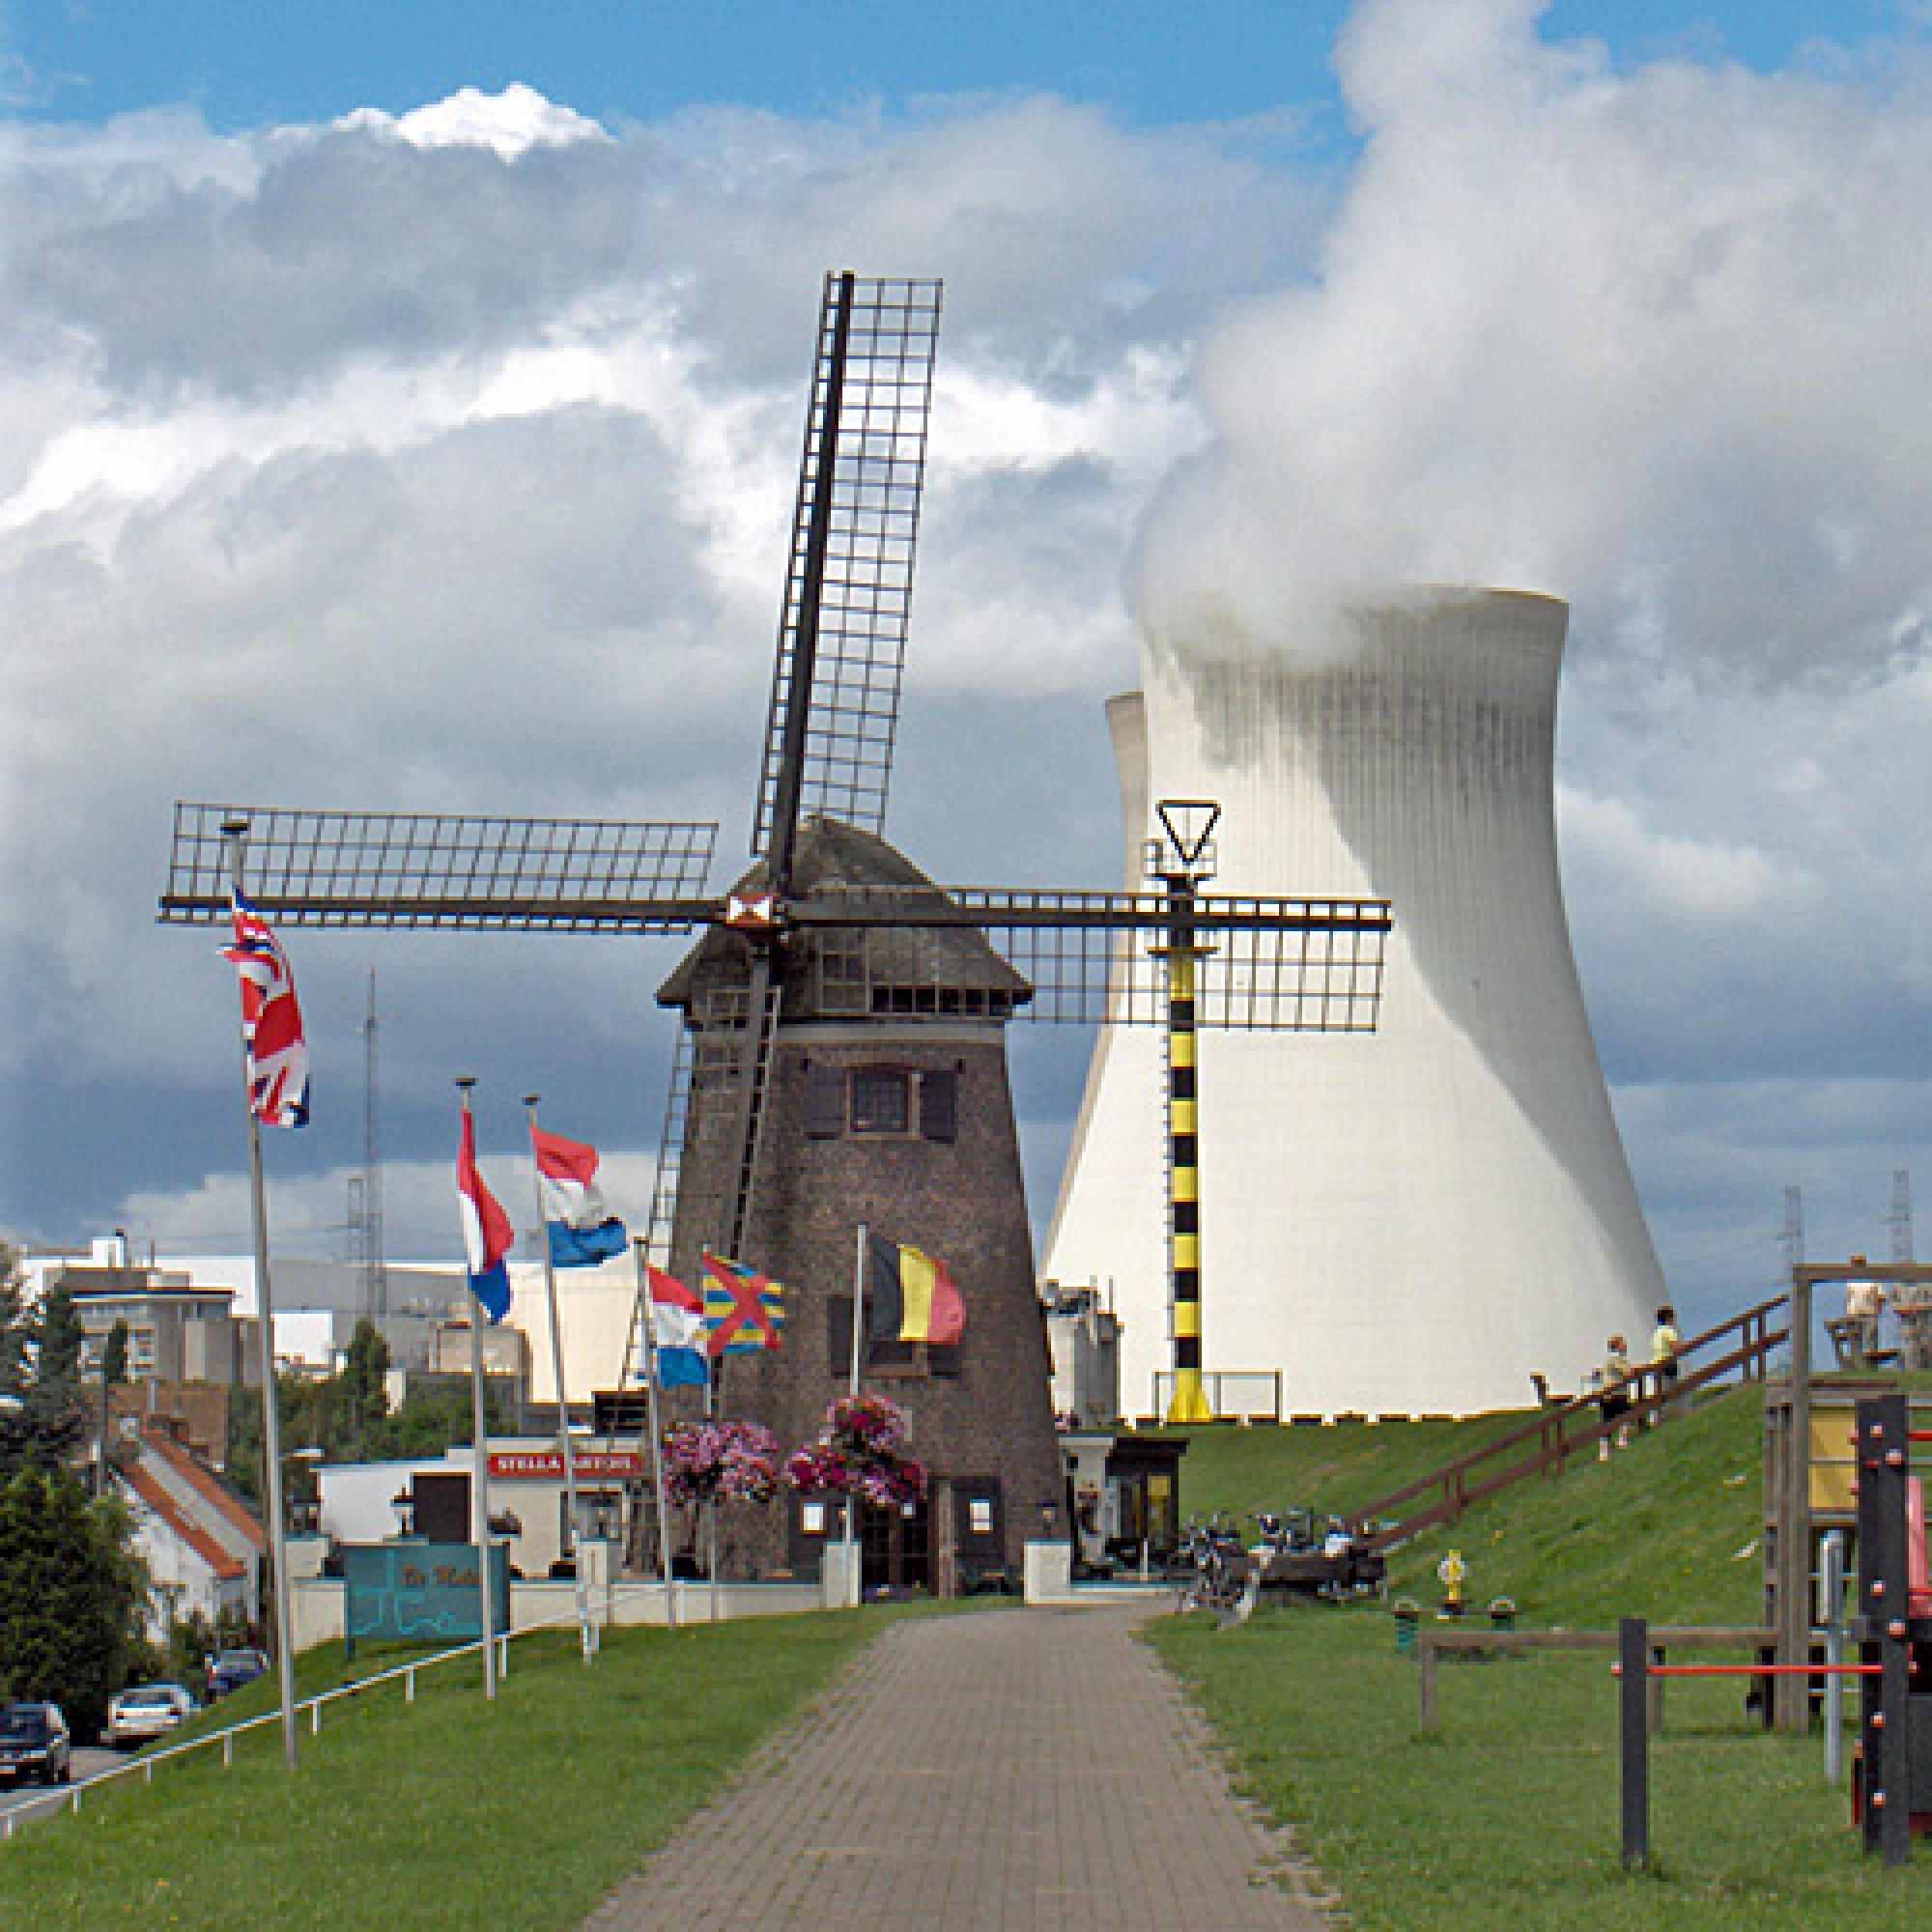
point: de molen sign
(546, 1465)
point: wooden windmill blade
(834, 715)
(390, 869)
(1080, 957)
(835, 702)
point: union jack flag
(270, 1021)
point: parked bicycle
(1217, 1563)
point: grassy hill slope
(1507, 1821)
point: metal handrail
(1555, 1436)
(71, 1799)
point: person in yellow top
(1665, 1346)
(1615, 1399)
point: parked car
(34, 1744)
(148, 1711)
(233, 1668)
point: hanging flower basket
(721, 1461)
(859, 1453)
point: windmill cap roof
(832, 856)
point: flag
(742, 1309)
(677, 1332)
(271, 1020)
(583, 1231)
(487, 1233)
(911, 1298)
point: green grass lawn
(450, 1812)
(1509, 1818)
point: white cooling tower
(1412, 1220)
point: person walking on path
(1005, 1771)
(1615, 1399)
(1665, 1346)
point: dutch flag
(583, 1231)
(487, 1233)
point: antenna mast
(1901, 1214)
(375, 1275)
(1794, 1229)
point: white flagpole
(479, 1473)
(235, 830)
(585, 1636)
(638, 1247)
(852, 1562)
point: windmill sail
(848, 587)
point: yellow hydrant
(1452, 1572)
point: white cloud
(509, 123)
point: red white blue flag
(583, 1231)
(487, 1235)
(677, 1332)
(271, 1026)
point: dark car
(34, 1744)
(233, 1668)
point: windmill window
(902, 1359)
(881, 1100)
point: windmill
(843, 1055)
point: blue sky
(245, 65)
(291, 413)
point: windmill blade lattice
(390, 869)
(1270, 964)
(848, 587)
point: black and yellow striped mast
(1181, 862)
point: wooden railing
(1740, 1347)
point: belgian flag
(910, 1297)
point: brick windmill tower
(843, 1046)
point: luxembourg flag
(487, 1233)
(677, 1332)
(583, 1231)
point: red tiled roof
(190, 1532)
(205, 1485)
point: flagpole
(584, 1632)
(852, 1566)
(479, 1470)
(234, 831)
(638, 1247)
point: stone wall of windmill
(882, 1109)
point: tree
(71, 1595)
(114, 1356)
(366, 1365)
(42, 1420)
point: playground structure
(1892, 1772)
(1808, 1473)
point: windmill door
(895, 1548)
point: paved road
(1011, 1771)
(18, 1804)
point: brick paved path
(1009, 1770)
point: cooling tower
(1413, 1220)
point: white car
(148, 1711)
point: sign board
(537, 1465)
(421, 1592)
